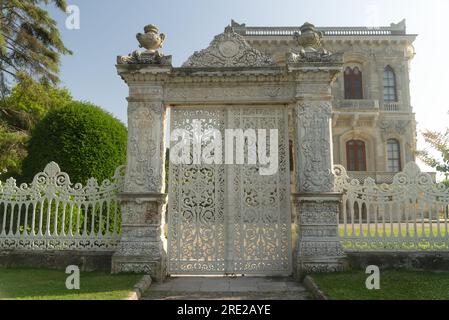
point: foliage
(20, 111)
(30, 43)
(83, 139)
(439, 142)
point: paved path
(223, 288)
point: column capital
(311, 108)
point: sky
(108, 29)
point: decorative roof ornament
(310, 47)
(229, 49)
(310, 38)
(152, 41)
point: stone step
(241, 288)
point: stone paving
(224, 288)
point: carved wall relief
(314, 146)
(145, 152)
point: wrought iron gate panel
(196, 205)
(230, 219)
(261, 217)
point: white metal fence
(409, 214)
(53, 214)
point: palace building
(373, 124)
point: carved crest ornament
(229, 49)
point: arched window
(356, 155)
(394, 155)
(353, 83)
(390, 92)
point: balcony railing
(357, 104)
(391, 107)
(327, 31)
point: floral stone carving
(315, 173)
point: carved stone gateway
(228, 218)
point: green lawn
(394, 285)
(43, 284)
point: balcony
(357, 105)
(368, 105)
(391, 107)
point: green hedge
(82, 138)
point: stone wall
(85, 260)
(429, 261)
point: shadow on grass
(394, 285)
(44, 284)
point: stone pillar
(316, 204)
(142, 248)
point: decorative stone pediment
(229, 49)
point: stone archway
(231, 75)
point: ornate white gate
(229, 219)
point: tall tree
(439, 159)
(20, 111)
(30, 43)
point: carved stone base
(318, 248)
(141, 248)
(140, 264)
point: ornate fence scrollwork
(53, 214)
(412, 213)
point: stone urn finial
(310, 47)
(151, 40)
(310, 38)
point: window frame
(397, 167)
(353, 83)
(356, 146)
(389, 71)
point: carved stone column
(142, 247)
(316, 205)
